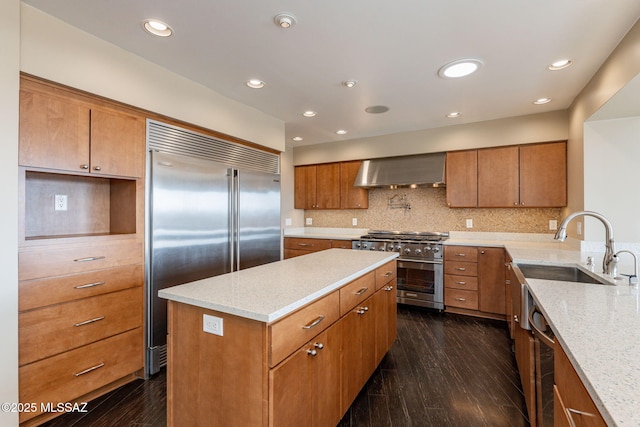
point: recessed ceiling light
(309, 113)
(349, 83)
(341, 132)
(377, 109)
(454, 114)
(297, 138)
(559, 65)
(542, 101)
(285, 20)
(255, 84)
(157, 28)
(459, 68)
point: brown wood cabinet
(572, 404)
(272, 374)
(59, 130)
(80, 270)
(474, 280)
(329, 186)
(531, 175)
(296, 246)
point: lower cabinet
(302, 370)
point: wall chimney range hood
(402, 171)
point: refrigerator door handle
(234, 218)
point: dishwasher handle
(546, 339)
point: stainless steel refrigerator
(205, 219)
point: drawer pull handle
(86, 322)
(305, 244)
(461, 283)
(388, 274)
(314, 323)
(461, 268)
(461, 299)
(90, 258)
(89, 285)
(411, 294)
(461, 254)
(86, 371)
(361, 291)
(571, 411)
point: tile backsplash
(429, 211)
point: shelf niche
(95, 206)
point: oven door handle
(417, 261)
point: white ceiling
(392, 48)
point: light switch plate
(212, 324)
(308, 221)
(553, 224)
(354, 221)
(469, 223)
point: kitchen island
(286, 343)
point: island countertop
(271, 291)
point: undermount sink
(557, 272)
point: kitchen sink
(558, 272)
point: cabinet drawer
(70, 375)
(288, 334)
(385, 274)
(357, 291)
(307, 244)
(58, 328)
(461, 268)
(461, 253)
(59, 260)
(469, 283)
(49, 291)
(341, 244)
(461, 299)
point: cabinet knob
(84, 167)
(312, 352)
(482, 252)
(318, 345)
(97, 168)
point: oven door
(420, 283)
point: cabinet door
(117, 143)
(498, 179)
(305, 187)
(324, 374)
(289, 391)
(328, 186)
(54, 132)
(543, 175)
(491, 280)
(462, 179)
(386, 319)
(352, 197)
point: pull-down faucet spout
(608, 261)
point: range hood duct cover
(402, 171)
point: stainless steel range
(420, 273)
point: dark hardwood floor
(443, 370)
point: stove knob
(372, 248)
(358, 245)
(418, 251)
(398, 248)
(436, 250)
(407, 251)
(382, 248)
(364, 246)
(427, 249)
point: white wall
(612, 159)
(551, 126)
(9, 86)
(59, 52)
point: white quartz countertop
(271, 291)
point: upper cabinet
(58, 131)
(533, 175)
(329, 186)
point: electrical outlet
(287, 221)
(354, 221)
(308, 221)
(469, 223)
(212, 324)
(60, 202)
(553, 224)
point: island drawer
(61, 260)
(461, 282)
(55, 329)
(385, 274)
(288, 334)
(461, 253)
(461, 268)
(357, 291)
(461, 299)
(42, 292)
(69, 375)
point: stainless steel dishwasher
(543, 358)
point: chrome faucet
(609, 260)
(633, 278)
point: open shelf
(95, 206)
